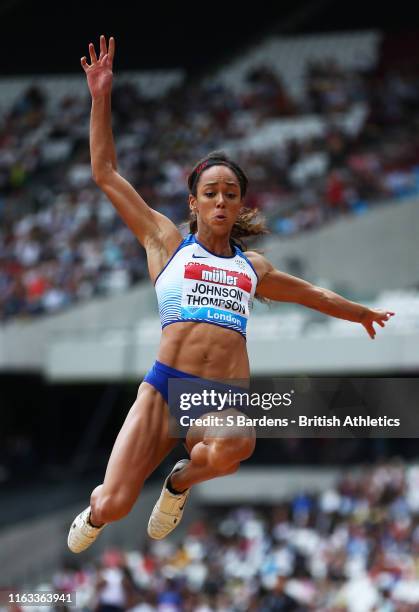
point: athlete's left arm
(282, 287)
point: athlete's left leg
(214, 451)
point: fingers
(111, 50)
(102, 45)
(92, 52)
(385, 314)
(370, 330)
(105, 56)
(381, 317)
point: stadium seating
(301, 130)
(288, 56)
(350, 546)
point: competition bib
(215, 295)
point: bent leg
(141, 445)
(214, 453)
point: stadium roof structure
(49, 37)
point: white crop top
(197, 285)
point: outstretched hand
(373, 315)
(99, 72)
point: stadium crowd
(354, 547)
(60, 239)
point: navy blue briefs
(159, 374)
(189, 394)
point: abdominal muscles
(206, 350)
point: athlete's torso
(215, 292)
(200, 286)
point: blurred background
(319, 103)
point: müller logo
(203, 272)
(219, 276)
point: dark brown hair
(248, 223)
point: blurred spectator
(60, 239)
(115, 588)
(352, 547)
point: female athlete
(206, 342)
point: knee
(242, 444)
(227, 453)
(242, 447)
(247, 447)
(107, 508)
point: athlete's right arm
(155, 231)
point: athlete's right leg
(141, 445)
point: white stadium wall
(367, 254)
(151, 84)
(288, 57)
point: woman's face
(218, 200)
